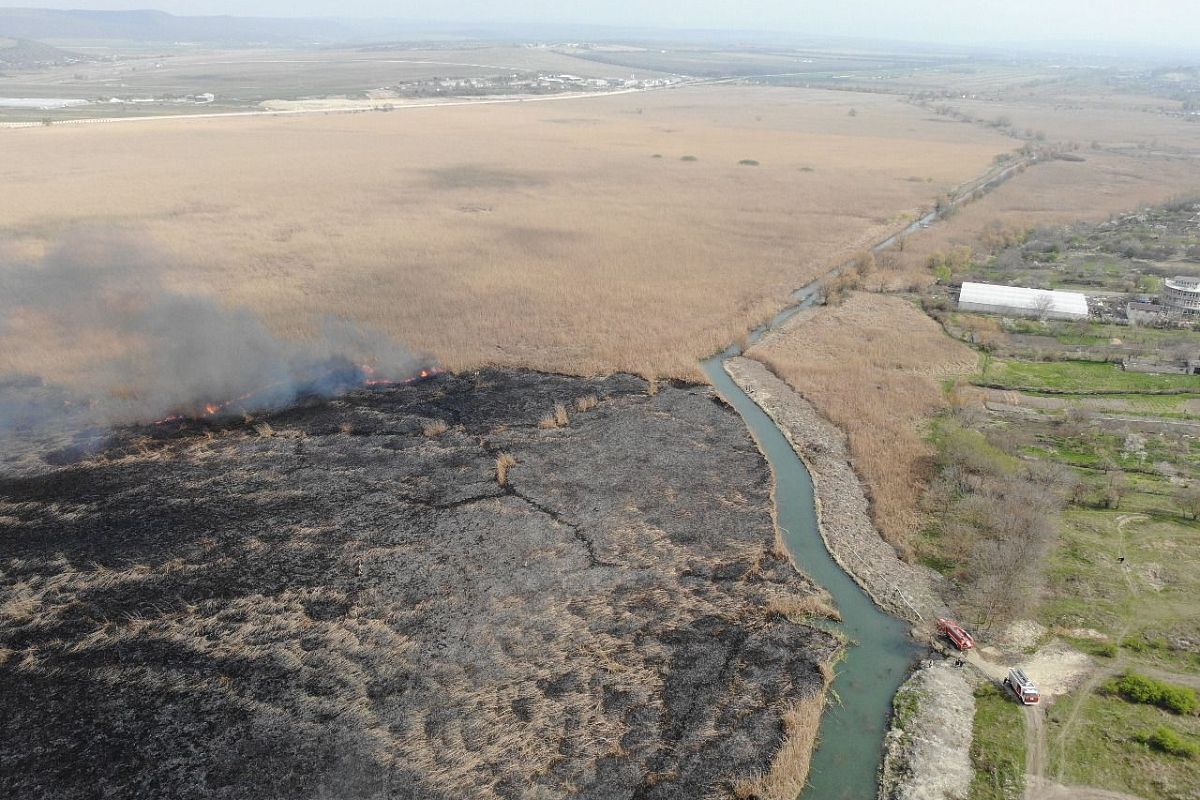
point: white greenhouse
(989, 298)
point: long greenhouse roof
(1017, 297)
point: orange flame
(212, 409)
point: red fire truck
(955, 633)
(1022, 687)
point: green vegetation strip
(1140, 689)
(1081, 377)
(997, 746)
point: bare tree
(1042, 305)
(1116, 486)
(1188, 498)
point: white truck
(1025, 689)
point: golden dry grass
(538, 235)
(798, 608)
(873, 366)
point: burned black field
(346, 600)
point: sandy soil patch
(928, 749)
(1057, 668)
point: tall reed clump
(504, 462)
(558, 418)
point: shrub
(586, 403)
(1165, 740)
(689, 158)
(1140, 689)
(748, 162)
(864, 263)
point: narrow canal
(880, 652)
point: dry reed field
(544, 235)
(873, 366)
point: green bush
(1165, 740)
(1139, 689)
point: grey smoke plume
(184, 352)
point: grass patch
(1150, 591)
(1124, 747)
(997, 747)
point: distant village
(524, 83)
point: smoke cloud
(160, 353)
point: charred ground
(331, 602)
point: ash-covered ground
(339, 601)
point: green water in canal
(881, 652)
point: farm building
(990, 298)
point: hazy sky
(1173, 23)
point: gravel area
(928, 749)
(903, 589)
